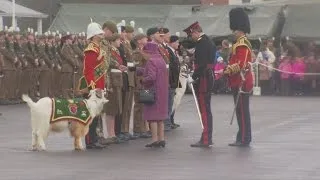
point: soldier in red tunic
(240, 75)
(94, 71)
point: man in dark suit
(174, 71)
(202, 80)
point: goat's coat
(41, 114)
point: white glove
(190, 80)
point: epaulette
(92, 47)
(242, 41)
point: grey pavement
(286, 146)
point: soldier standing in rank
(79, 53)
(126, 37)
(11, 68)
(58, 69)
(93, 76)
(18, 54)
(2, 66)
(28, 71)
(114, 107)
(203, 80)
(140, 126)
(240, 75)
(55, 66)
(35, 73)
(46, 66)
(113, 85)
(69, 65)
(23, 74)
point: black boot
(201, 145)
(239, 144)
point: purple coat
(155, 75)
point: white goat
(41, 113)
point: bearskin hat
(239, 20)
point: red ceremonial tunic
(94, 69)
(241, 54)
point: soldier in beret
(126, 37)
(114, 106)
(140, 126)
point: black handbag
(147, 96)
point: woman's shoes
(157, 144)
(154, 144)
(162, 144)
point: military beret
(163, 30)
(174, 38)
(152, 31)
(114, 37)
(111, 26)
(129, 29)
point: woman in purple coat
(155, 76)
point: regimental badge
(59, 112)
(73, 109)
(83, 114)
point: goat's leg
(35, 143)
(78, 144)
(41, 138)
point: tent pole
(14, 15)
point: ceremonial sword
(238, 96)
(196, 102)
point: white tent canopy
(6, 8)
(213, 19)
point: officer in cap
(202, 80)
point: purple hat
(152, 48)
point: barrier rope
(287, 72)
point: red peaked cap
(191, 28)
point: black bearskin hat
(239, 20)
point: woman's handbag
(147, 96)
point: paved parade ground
(286, 146)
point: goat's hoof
(42, 149)
(78, 149)
(33, 148)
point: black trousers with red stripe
(92, 136)
(204, 101)
(243, 116)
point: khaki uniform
(114, 106)
(2, 92)
(9, 71)
(69, 63)
(23, 75)
(139, 124)
(79, 56)
(128, 93)
(46, 67)
(29, 77)
(56, 71)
